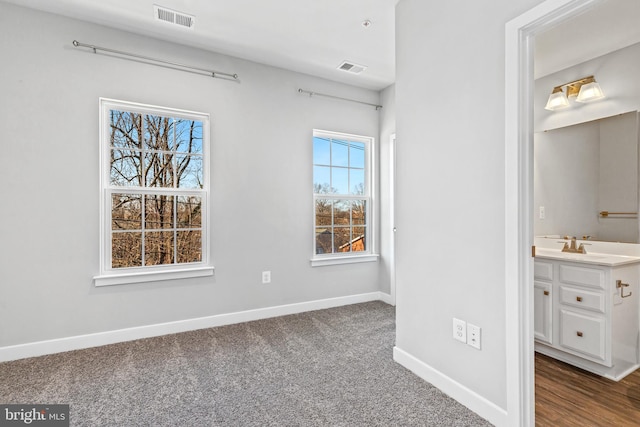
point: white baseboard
(41, 348)
(478, 404)
(386, 298)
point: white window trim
(120, 276)
(370, 255)
(343, 259)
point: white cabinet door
(542, 311)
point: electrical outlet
(473, 332)
(266, 277)
(460, 330)
(541, 212)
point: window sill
(320, 262)
(151, 276)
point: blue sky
(339, 163)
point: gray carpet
(324, 368)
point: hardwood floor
(568, 396)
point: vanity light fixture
(585, 90)
(557, 100)
(590, 91)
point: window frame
(125, 275)
(369, 254)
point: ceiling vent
(173, 17)
(350, 67)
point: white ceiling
(315, 36)
(308, 36)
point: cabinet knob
(579, 299)
(579, 333)
(546, 292)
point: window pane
(189, 171)
(340, 180)
(321, 151)
(189, 212)
(158, 211)
(126, 129)
(321, 180)
(159, 168)
(358, 243)
(356, 180)
(356, 155)
(359, 212)
(341, 195)
(324, 238)
(126, 211)
(341, 212)
(158, 248)
(339, 153)
(189, 246)
(162, 151)
(126, 250)
(158, 133)
(323, 212)
(188, 136)
(342, 237)
(125, 168)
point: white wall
(261, 206)
(451, 198)
(617, 74)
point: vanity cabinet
(581, 317)
(542, 302)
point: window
(154, 188)
(342, 199)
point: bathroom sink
(583, 257)
(588, 258)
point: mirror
(586, 180)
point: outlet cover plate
(474, 335)
(266, 277)
(460, 330)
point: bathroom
(586, 159)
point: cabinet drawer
(582, 333)
(589, 300)
(543, 270)
(583, 276)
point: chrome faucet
(572, 248)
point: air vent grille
(350, 67)
(173, 17)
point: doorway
(519, 82)
(520, 61)
(392, 218)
